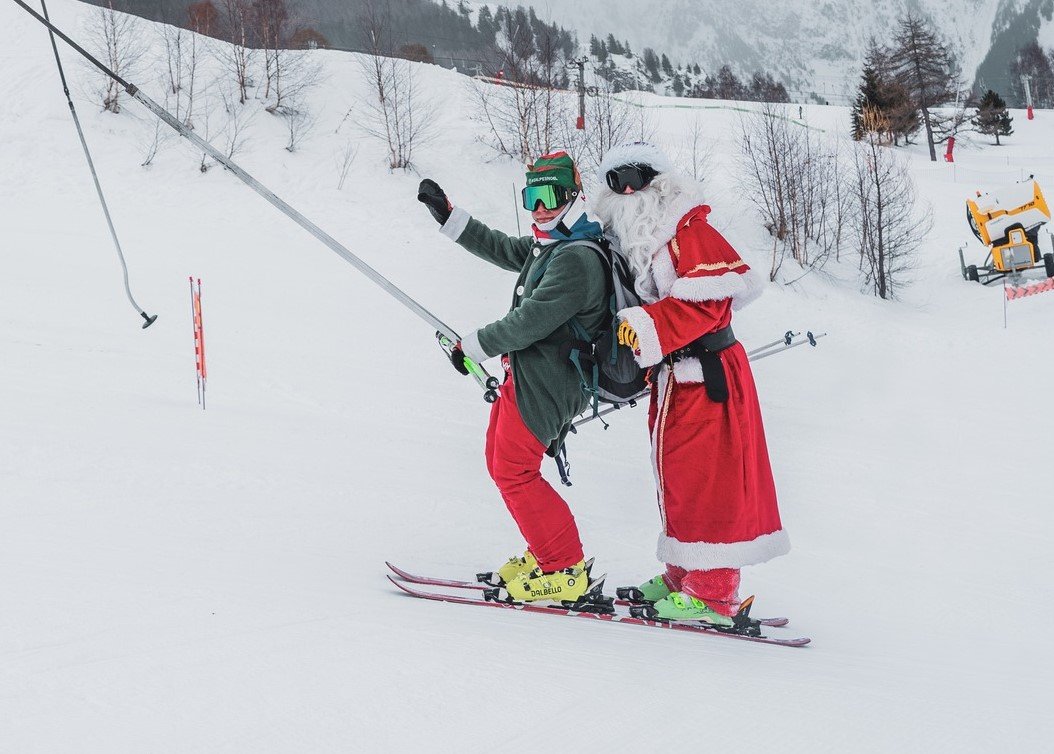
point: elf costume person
(717, 499)
(558, 279)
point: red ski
(696, 627)
(477, 586)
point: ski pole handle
(483, 378)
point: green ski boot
(680, 606)
(647, 593)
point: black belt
(706, 349)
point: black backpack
(608, 371)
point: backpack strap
(583, 344)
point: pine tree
(667, 67)
(486, 25)
(728, 86)
(992, 117)
(868, 96)
(678, 85)
(651, 65)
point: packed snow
(179, 580)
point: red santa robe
(715, 490)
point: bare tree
(205, 123)
(180, 70)
(236, 123)
(529, 113)
(222, 115)
(238, 54)
(888, 223)
(609, 121)
(117, 40)
(344, 161)
(299, 123)
(697, 152)
(288, 72)
(793, 180)
(153, 144)
(398, 113)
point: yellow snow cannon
(1007, 220)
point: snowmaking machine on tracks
(1007, 220)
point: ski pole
(809, 338)
(483, 379)
(752, 356)
(786, 339)
(335, 246)
(91, 166)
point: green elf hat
(554, 169)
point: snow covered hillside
(812, 47)
(173, 580)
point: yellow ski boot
(508, 572)
(569, 585)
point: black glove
(457, 356)
(432, 196)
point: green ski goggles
(550, 195)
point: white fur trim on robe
(663, 273)
(671, 222)
(470, 347)
(741, 287)
(455, 224)
(709, 555)
(688, 370)
(649, 351)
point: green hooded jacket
(535, 333)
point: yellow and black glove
(627, 336)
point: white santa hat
(637, 153)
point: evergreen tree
(667, 68)
(594, 47)
(727, 85)
(486, 25)
(764, 88)
(992, 118)
(651, 65)
(677, 85)
(614, 46)
(868, 97)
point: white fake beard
(642, 222)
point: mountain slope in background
(816, 48)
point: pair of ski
(597, 608)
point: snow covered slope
(173, 580)
(812, 47)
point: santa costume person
(716, 496)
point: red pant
(514, 459)
(718, 587)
